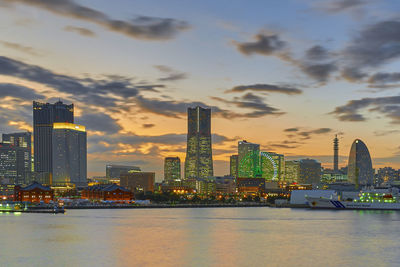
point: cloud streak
(267, 88)
(142, 27)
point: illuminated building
(331, 176)
(360, 166)
(248, 160)
(44, 116)
(138, 181)
(111, 192)
(114, 171)
(233, 165)
(69, 151)
(252, 186)
(23, 144)
(336, 154)
(387, 175)
(272, 166)
(35, 193)
(310, 171)
(199, 162)
(172, 168)
(292, 171)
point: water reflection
(201, 237)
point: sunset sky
(287, 74)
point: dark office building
(114, 171)
(360, 170)
(138, 181)
(310, 171)
(44, 115)
(199, 163)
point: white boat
(369, 199)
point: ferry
(368, 199)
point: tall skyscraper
(44, 115)
(17, 148)
(172, 169)
(248, 160)
(336, 154)
(360, 170)
(310, 171)
(69, 154)
(233, 165)
(199, 162)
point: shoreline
(167, 206)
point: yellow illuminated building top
(70, 126)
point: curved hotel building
(360, 170)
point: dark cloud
(21, 48)
(148, 125)
(336, 6)
(264, 45)
(384, 78)
(292, 129)
(269, 88)
(252, 102)
(18, 91)
(384, 132)
(308, 134)
(173, 75)
(99, 122)
(375, 45)
(319, 72)
(388, 106)
(317, 53)
(142, 27)
(80, 30)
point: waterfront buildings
(138, 181)
(272, 166)
(199, 162)
(292, 171)
(310, 171)
(114, 171)
(111, 192)
(233, 165)
(253, 186)
(336, 154)
(44, 115)
(225, 185)
(35, 193)
(360, 170)
(172, 168)
(248, 160)
(331, 176)
(69, 152)
(387, 175)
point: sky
(286, 74)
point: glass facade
(292, 171)
(21, 144)
(249, 160)
(44, 115)
(360, 170)
(198, 162)
(310, 171)
(272, 166)
(114, 171)
(69, 152)
(172, 168)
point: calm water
(201, 237)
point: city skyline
(265, 80)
